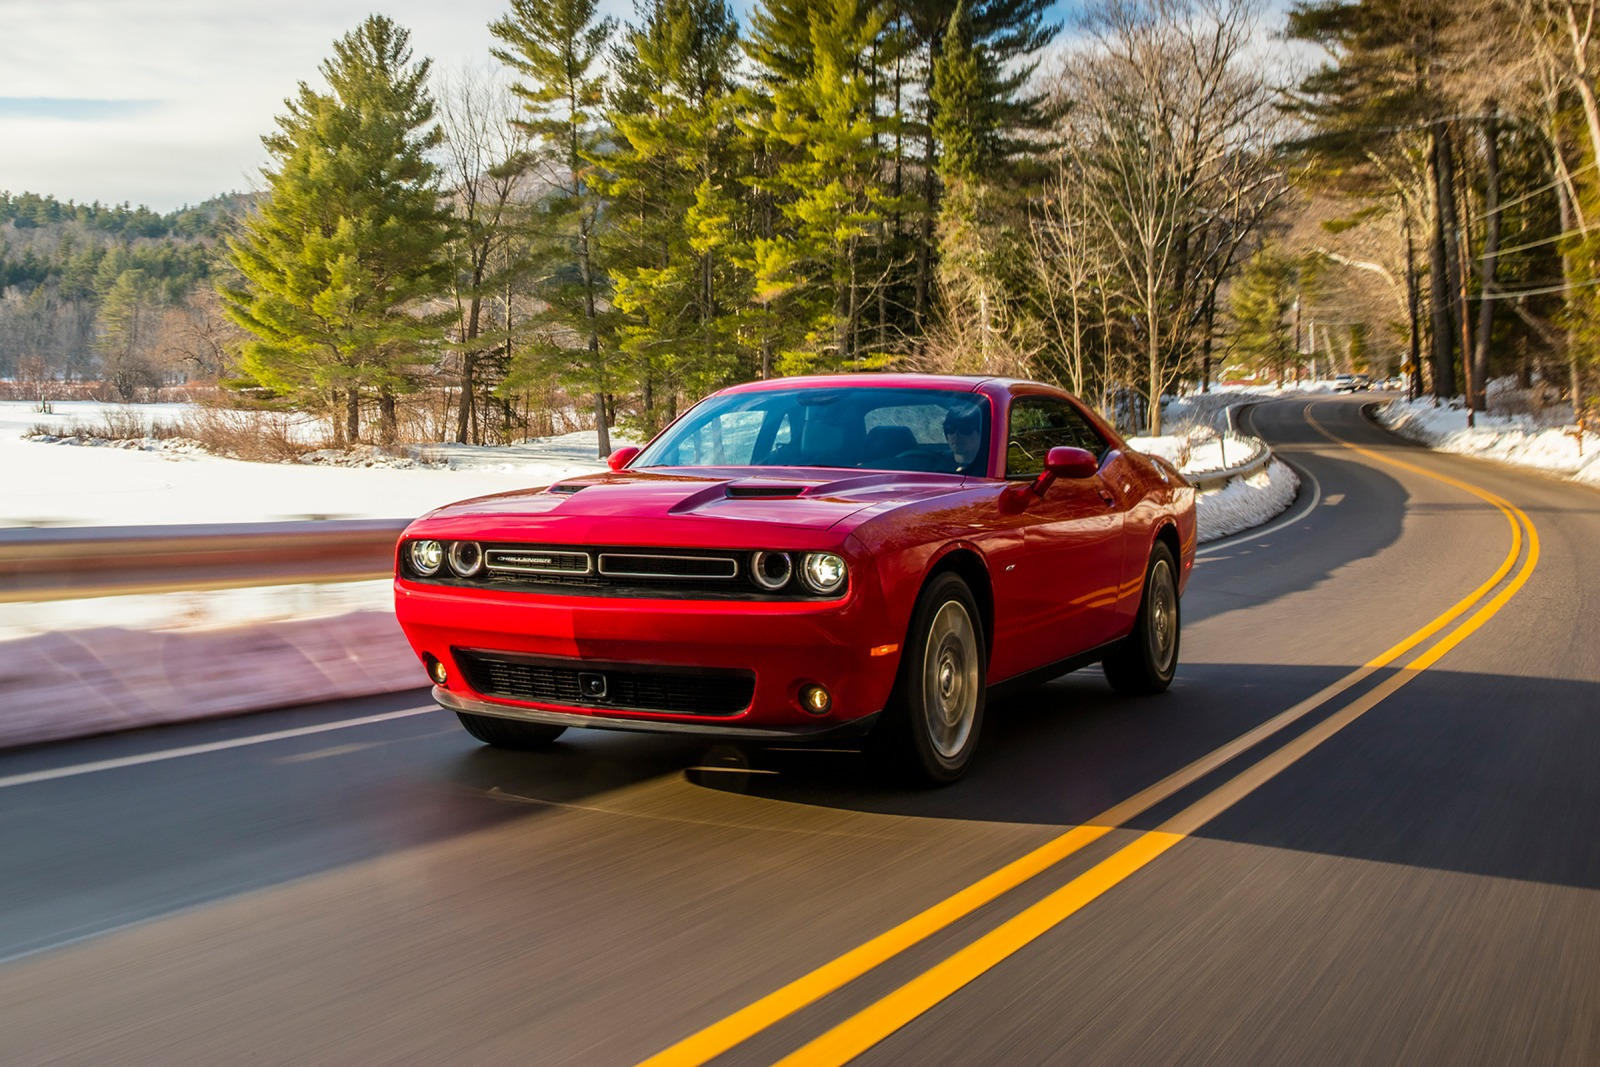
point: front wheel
(930, 729)
(1146, 660)
(509, 733)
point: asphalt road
(1315, 849)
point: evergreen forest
(608, 219)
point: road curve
(1359, 828)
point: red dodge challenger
(809, 556)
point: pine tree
(348, 243)
(127, 318)
(972, 241)
(826, 185)
(554, 47)
(673, 189)
(1390, 59)
(1262, 300)
(1005, 37)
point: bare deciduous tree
(487, 170)
(1170, 135)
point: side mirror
(621, 457)
(1064, 462)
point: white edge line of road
(195, 750)
(1277, 524)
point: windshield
(933, 430)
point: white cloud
(219, 72)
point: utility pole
(1466, 327)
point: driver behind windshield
(963, 429)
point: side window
(1040, 423)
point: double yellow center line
(872, 1024)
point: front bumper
(598, 720)
(786, 645)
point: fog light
(815, 699)
(436, 671)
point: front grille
(536, 561)
(628, 687)
(650, 565)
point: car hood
(808, 499)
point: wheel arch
(965, 562)
(1167, 534)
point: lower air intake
(621, 687)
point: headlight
(771, 570)
(466, 558)
(825, 572)
(426, 557)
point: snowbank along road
(1358, 829)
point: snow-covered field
(1515, 439)
(64, 484)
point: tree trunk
(1574, 370)
(352, 414)
(1441, 354)
(340, 440)
(388, 430)
(1491, 253)
(465, 408)
(1456, 251)
(602, 431)
(1413, 306)
(1153, 348)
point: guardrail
(70, 562)
(1260, 456)
(1214, 479)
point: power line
(1501, 294)
(1530, 194)
(1535, 244)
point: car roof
(876, 380)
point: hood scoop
(567, 488)
(764, 490)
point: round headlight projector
(466, 558)
(771, 570)
(824, 572)
(427, 557)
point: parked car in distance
(1351, 383)
(807, 557)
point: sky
(163, 102)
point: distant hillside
(108, 290)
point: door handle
(1108, 496)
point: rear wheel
(930, 728)
(509, 733)
(1146, 660)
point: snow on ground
(1201, 450)
(1515, 439)
(206, 609)
(61, 484)
(1246, 502)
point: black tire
(1145, 662)
(509, 733)
(930, 729)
